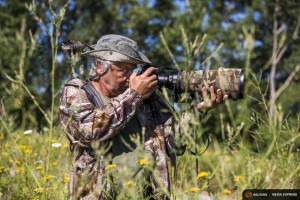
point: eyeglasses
(125, 70)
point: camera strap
(92, 94)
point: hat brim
(116, 56)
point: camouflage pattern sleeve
(83, 123)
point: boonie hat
(116, 48)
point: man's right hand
(144, 84)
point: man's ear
(99, 68)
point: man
(107, 116)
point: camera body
(230, 80)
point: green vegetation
(254, 142)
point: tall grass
(254, 152)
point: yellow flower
(66, 179)
(110, 166)
(38, 190)
(35, 199)
(26, 148)
(54, 164)
(17, 162)
(202, 174)
(226, 191)
(20, 169)
(47, 178)
(239, 179)
(128, 183)
(194, 189)
(66, 145)
(39, 167)
(143, 162)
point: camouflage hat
(117, 48)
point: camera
(230, 80)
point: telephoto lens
(230, 80)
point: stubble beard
(116, 89)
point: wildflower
(27, 132)
(20, 169)
(47, 178)
(143, 162)
(39, 167)
(226, 191)
(26, 148)
(35, 199)
(128, 183)
(110, 166)
(56, 144)
(239, 179)
(66, 145)
(194, 189)
(54, 164)
(66, 179)
(17, 162)
(38, 190)
(202, 174)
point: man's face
(116, 80)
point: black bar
(271, 194)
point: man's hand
(144, 84)
(213, 101)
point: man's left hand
(212, 101)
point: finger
(219, 96)
(204, 94)
(153, 83)
(149, 71)
(201, 105)
(212, 93)
(206, 101)
(153, 77)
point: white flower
(27, 132)
(56, 144)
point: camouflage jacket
(89, 128)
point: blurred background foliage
(261, 36)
